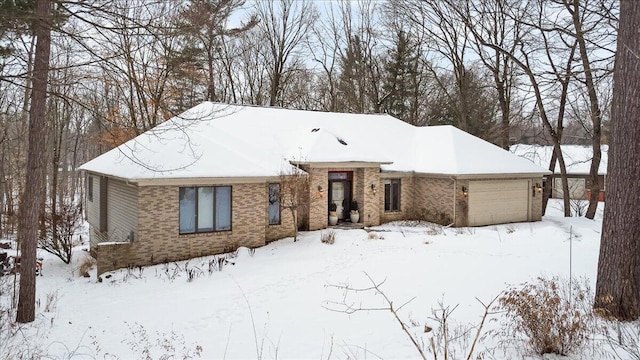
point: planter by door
(333, 218)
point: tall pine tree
(400, 82)
(353, 81)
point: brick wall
(282, 230)
(158, 239)
(434, 195)
(158, 225)
(370, 214)
(318, 208)
(113, 255)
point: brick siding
(434, 195)
(318, 209)
(159, 240)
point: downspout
(455, 191)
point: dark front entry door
(340, 193)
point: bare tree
(548, 68)
(582, 17)
(504, 32)
(360, 62)
(618, 284)
(448, 45)
(203, 25)
(324, 49)
(294, 186)
(284, 25)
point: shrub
(432, 216)
(61, 226)
(87, 263)
(554, 316)
(328, 237)
(231, 248)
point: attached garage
(498, 201)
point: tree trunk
(34, 191)
(618, 284)
(594, 107)
(548, 186)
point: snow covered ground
(274, 302)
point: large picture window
(392, 195)
(274, 204)
(205, 209)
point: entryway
(340, 185)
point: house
(204, 181)
(577, 159)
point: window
(274, 204)
(205, 209)
(392, 195)
(90, 188)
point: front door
(340, 193)
(337, 197)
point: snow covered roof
(577, 158)
(219, 140)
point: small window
(392, 195)
(205, 209)
(274, 204)
(90, 188)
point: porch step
(347, 226)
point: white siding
(93, 206)
(576, 188)
(122, 213)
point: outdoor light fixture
(320, 190)
(374, 189)
(465, 191)
(536, 188)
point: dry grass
(86, 265)
(328, 237)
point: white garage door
(498, 201)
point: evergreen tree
(13, 20)
(352, 84)
(400, 79)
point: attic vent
(341, 141)
(315, 130)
